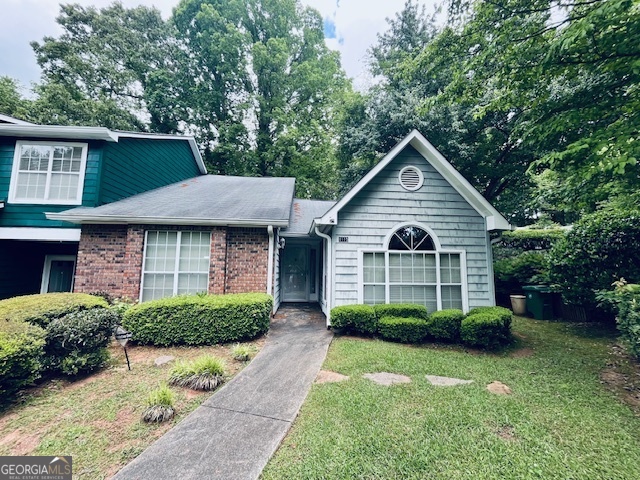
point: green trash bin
(539, 301)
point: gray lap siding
(383, 204)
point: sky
(351, 27)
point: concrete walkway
(233, 434)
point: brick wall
(110, 259)
(247, 259)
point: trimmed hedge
(486, 327)
(40, 309)
(445, 325)
(77, 342)
(21, 350)
(199, 319)
(400, 329)
(401, 310)
(355, 318)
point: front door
(58, 273)
(295, 273)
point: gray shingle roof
(204, 200)
(302, 214)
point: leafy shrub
(525, 240)
(399, 329)
(159, 405)
(204, 373)
(42, 308)
(526, 268)
(486, 327)
(401, 310)
(77, 342)
(625, 299)
(199, 319)
(445, 324)
(601, 248)
(355, 318)
(242, 353)
(21, 349)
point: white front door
(295, 273)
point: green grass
(560, 422)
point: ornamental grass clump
(204, 373)
(159, 405)
(242, 353)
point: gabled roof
(494, 220)
(302, 214)
(29, 130)
(204, 200)
(12, 120)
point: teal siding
(22, 263)
(25, 215)
(383, 204)
(135, 165)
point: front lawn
(561, 421)
(97, 419)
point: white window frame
(438, 251)
(46, 271)
(176, 266)
(43, 201)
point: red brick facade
(110, 259)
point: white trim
(494, 220)
(270, 262)
(420, 177)
(80, 218)
(57, 131)
(395, 228)
(43, 234)
(46, 271)
(2, 202)
(45, 201)
(14, 121)
(144, 261)
(492, 280)
(328, 290)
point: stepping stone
(499, 388)
(327, 376)
(386, 379)
(163, 360)
(446, 381)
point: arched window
(413, 269)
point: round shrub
(21, 350)
(601, 248)
(400, 329)
(401, 310)
(485, 329)
(42, 308)
(355, 318)
(445, 325)
(77, 342)
(199, 319)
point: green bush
(355, 318)
(399, 329)
(159, 405)
(526, 268)
(199, 319)
(400, 310)
(601, 248)
(21, 350)
(516, 242)
(77, 342)
(204, 373)
(42, 308)
(625, 299)
(486, 327)
(445, 325)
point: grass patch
(97, 419)
(560, 421)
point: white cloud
(356, 24)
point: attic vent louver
(411, 178)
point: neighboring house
(412, 230)
(49, 169)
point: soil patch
(327, 376)
(499, 388)
(506, 432)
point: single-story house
(411, 230)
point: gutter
(270, 261)
(329, 286)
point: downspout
(329, 286)
(270, 261)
